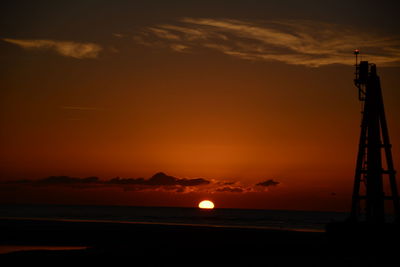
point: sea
(313, 221)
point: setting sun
(206, 204)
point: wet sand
(160, 244)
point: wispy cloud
(296, 42)
(119, 35)
(80, 108)
(65, 48)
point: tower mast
(374, 137)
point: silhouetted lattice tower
(374, 140)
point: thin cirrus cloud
(81, 108)
(295, 42)
(65, 48)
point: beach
(167, 244)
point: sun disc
(206, 204)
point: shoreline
(68, 231)
(6, 249)
(163, 223)
(190, 245)
(107, 240)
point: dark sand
(160, 245)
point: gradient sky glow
(234, 92)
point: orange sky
(226, 95)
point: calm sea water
(278, 219)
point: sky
(164, 103)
